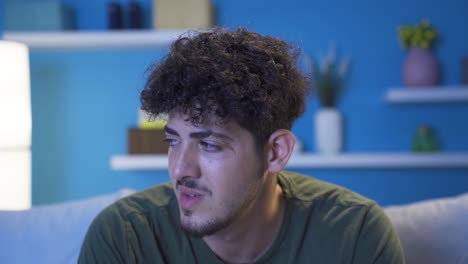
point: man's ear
(281, 144)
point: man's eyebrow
(199, 134)
(207, 133)
(170, 131)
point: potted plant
(328, 80)
(420, 67)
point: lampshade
(15, 127)
(15, 102)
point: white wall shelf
(436, 94)
(95, 39)
(347, 160)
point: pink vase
(420, 68)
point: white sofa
(52, 233)
(432, 231)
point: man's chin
(193, 232)
(200, 229)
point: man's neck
(253, 233)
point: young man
(232, 98)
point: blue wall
(1, 17)
(83, 101)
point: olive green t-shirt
(323, 223)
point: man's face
(216, 172)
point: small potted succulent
(421, 67)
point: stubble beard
(234, 209)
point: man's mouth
(188, 197)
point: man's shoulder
(146, 202)
(308, 189)
(347, 224)
(120, 227)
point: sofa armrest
(433, 231)
(50, 233)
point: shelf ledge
(354, 160)
(436, 94)
(95, 39)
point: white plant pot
(329, 131)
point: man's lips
(189, 197)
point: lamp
(15, 127)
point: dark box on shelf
(146, 141)
(465, 70)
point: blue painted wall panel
(84, 101)
(2, 16)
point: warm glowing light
(15, 127)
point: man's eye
(208, 147)
(171, 141)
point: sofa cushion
(50, 233)
(433, 231)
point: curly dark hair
(237, 75)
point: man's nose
(184, 162)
